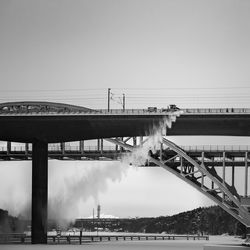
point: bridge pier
(39, 192)
(8, 147)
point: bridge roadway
(213, 155)
(58, 125)
(41, 123)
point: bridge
(41, 123)
(50, 122)
(212, 154)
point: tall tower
(98, 211)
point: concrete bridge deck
(52, 122)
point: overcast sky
(195, 53)
(84, 44)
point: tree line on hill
(209, 220)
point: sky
(194, 53)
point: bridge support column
(26, 148)
(246, 174)
(233, 172)
(98, 145)
(101, 146)
(8, 147)
(62, 147)
(81, 146)
(39, 192)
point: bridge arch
(36, 106)
(198, 176)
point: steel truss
(196, 174)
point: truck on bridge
(171, 107)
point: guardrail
(217, 111)
(195, 148)
(156, 111)
(78, 239)
(216, 148)
(92, 112)
(179, 111)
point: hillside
(210, 220)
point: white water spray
(140, 155)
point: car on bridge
(152, 109)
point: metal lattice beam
(221, 194)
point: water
(136, 245)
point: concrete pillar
(81, 145)
(233, 172)
(98, 145)
(101, 146)
(39, 192)
(26, 148)
(62, 146)
(8, 147)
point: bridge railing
(153, 111)
(198, 148)
(58, 148)
(135, 111)
(91, 112)
(217, 111)
(216, 148)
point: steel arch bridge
(199, 175)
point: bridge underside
(216, 124)
(72, 128)
(83, 127)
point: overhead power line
(134, 89)
(186, 88)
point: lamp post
(123, 102)
(109, 99)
